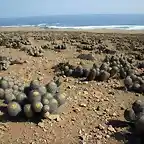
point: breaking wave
(58, 26)
(123, 27)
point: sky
(24, 8)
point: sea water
(89, 21)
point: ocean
(89, 21)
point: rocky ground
(94, 111)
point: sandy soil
(89, 106)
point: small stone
(107, 110)
(138, 95)
(69, 87)
(111, 92)
(99, 136)
(76, 110)
(99, 113)
(40, 78)
(114, 114)
(122, 107)
(46, 115)
(101, 127)
(41, 124)
(54, 117)
(98, 108)
(107, 136)
(85, 92)
(111, 129)
(82, 105)
(85, 82)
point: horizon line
(17, 17)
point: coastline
(10, 29)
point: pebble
(82, 105)
(85, 82)
(114, 114)
(99, 136)
(69, 87)
(54, 117)
(107, 136)
(111, 129)
(101, 127)
(85, 92)
(122, 107)
(41, 124)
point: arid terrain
(94, 110)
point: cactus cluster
(32, 99)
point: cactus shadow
(4, 117)
(128, 134)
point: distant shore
(75, 30)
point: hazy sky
(18, 8)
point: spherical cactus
(34, 95)
(13, 109)
(104, 66)
(61, 98)
(15, 92)
(15, 87)
(48, 96)
(123, 74)
(92, 74)
(45, 101)
(133, 77)
(28, 111)
(97, 74)
(21, 88)
(45, 108)
(70, 72)
(114, 71)
(104, 75)
(86, 72)
(139, 125)
(8, 91)
(128, 82)
(4, 84)
(113, 63)
(138, 106)
(53, 104)
(34, 84)
(11, 84)
(9, 97)
(42, 90)
(66, 68)
(52, 87)
(139, 80)
(136, 87)
(2, 93)
(37, 106)
(129, 115)
(78, 72)
(20, 98)
(58, 82)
